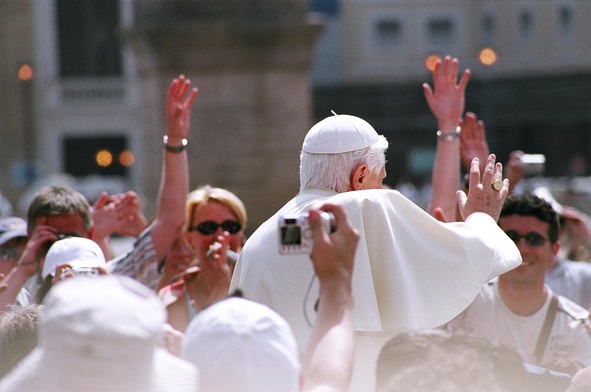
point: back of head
(101, 334)
(532, 205)
(334, 147)
(439, 361)
(57, 200)
(206, 194)
(240, 345)
(18, 335)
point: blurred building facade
(530, 83)
(93, 104)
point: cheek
(235, 242)
(199, 241)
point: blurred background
(83, 84)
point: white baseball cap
(339, 133)
(12, 227)
(73, 250)
(101, 334)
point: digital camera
(295, 234)
(79, 271)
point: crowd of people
(350, 286)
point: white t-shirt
(571, 279)
(489, 317)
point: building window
(329, 7)
(440, 31)
(488, 28)
(102, 155)
(526, 25)
(565, 21)
(389, 34)
(88, 42)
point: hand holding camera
(333, 250)
(295, 234)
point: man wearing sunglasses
(518, 309)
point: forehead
(65, 224)
(213, 210)
(523, 224)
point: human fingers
(462, 198)
(173, 88)
(101, 201)
(191, 98)
(464, 79)
(489, 171)
(319, 233)
(184, 86)
(453, 71)
(446, 66)
(474, 175)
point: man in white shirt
(518, 309)
(411, 271)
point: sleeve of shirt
(140, 263)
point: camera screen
(291, 235)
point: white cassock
(411, 271)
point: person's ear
(358, 177)
(556, 248)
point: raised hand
(178, 106)
(486, 193)
(446, 99)
(473, 141)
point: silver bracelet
(174, 149)
(449, 137)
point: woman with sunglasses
(214, 233)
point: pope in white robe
(411, 271)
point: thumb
(462, 198)
(102, 200)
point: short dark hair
(57, 200)
(531, 205)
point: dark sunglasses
(532, 238)
(10, 253)
(210, 227)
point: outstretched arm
(446, 101)
(327, 361)
(174, 185)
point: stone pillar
(249, 60)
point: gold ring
(496, 184)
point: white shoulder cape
(411, 271)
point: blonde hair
(205, 194)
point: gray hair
(332, 171)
